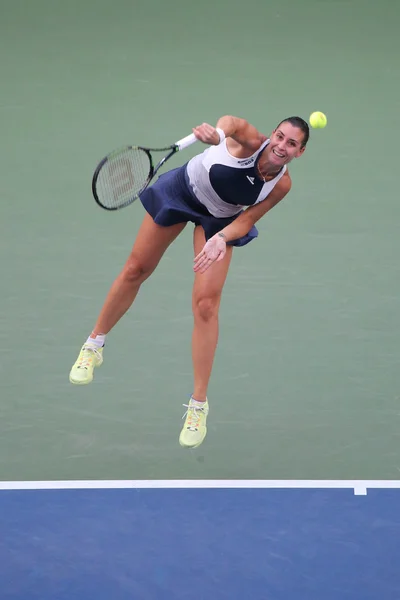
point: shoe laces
(194, 415)
(86, 358)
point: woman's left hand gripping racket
(124, 174)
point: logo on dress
(246, 161)
(251, 179)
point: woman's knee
(206, 307)
(136, 270)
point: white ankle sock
(198, 403)
(98, 341)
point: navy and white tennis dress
(211, 190)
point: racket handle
(186, 141)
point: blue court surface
(275, 540)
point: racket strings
(123, 177)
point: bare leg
(151, 243)
(206, 300)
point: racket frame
(179, 145)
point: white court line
(359, 487)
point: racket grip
(186, 141)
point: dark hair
(301, 124)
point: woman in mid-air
(224, 191)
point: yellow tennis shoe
(89, 357)
(194, 430)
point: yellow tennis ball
(318, 120)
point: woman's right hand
(207, 134)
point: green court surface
(306, 380)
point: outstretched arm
(215, 248)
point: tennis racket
(124, 174)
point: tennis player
(223, 191)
